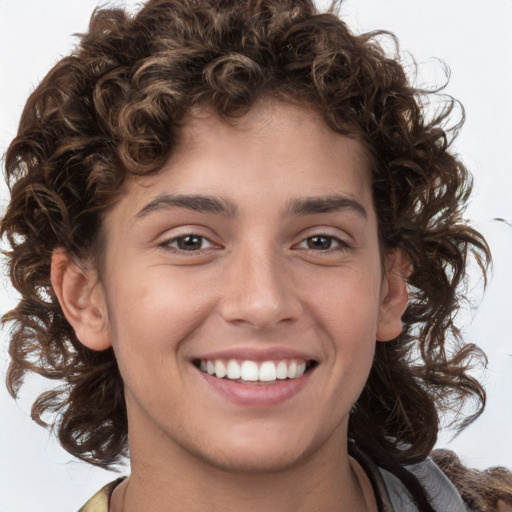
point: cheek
(347, 314)
(150, 316)
(348, 303)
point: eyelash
(168, 244)
(173, 243)
(341, 244)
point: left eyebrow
(325, 204)
(198, 203)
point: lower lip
(259, 394)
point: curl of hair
(482, 491)
(113, 109)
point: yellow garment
(100, 501)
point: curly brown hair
(113, 109)
(482, 491)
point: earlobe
(82, 300)
(395, 296)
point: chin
(256, 455)
(254, 462)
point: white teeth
(282, 370)
(292, 370)
(267, 371)
(233, 370)
(220, 369)
(249, 371)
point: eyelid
(340, 243)
(340, 237)
(177, 238)
(168, 243)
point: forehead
(270, 143)
(274, 154)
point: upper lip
(257, 354)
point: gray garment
(392, 495)
(444, 497)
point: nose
(259, 291)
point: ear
(82, 299)
(394, 295)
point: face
(244, 291)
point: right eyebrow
(198, 203)
(326, 204)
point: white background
(475, 40)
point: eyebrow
(198, 203)
(325, 204)
(221, 206)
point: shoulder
(100, 501)
(442, 493)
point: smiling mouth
(252, 372)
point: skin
(256, 280)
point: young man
(239, 242)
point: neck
(179, 481)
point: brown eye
(325, 243)
(320, 242)
(189, 243)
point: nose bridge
(257, 291)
